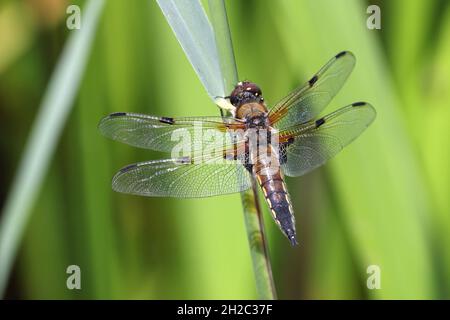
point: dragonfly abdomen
(277, 196)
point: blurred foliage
(383, 200)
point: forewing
(307, 101)
(164, 134)
(182, 178)
(310, 145)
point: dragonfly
(254, 145)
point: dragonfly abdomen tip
(293, 240)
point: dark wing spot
(291, 140)
(320, 122)
(358, 104)
(183, 160)
(118, 114)
(167, 120)
(341, 54)
(313, 80)
(128, 168)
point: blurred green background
(382, 201)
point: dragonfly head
(245, 92)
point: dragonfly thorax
(258, 121)
(254, 113)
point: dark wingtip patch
(313, 80)
(358, 104)
(320, 122)
(341, 54)
(166, 120)
(118, 114)
(128, 168)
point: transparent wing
(310, 145)
(182, 178)
(164, 134)
(307, 101)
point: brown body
(267, 168)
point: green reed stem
(42, 141)
(252, 212)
